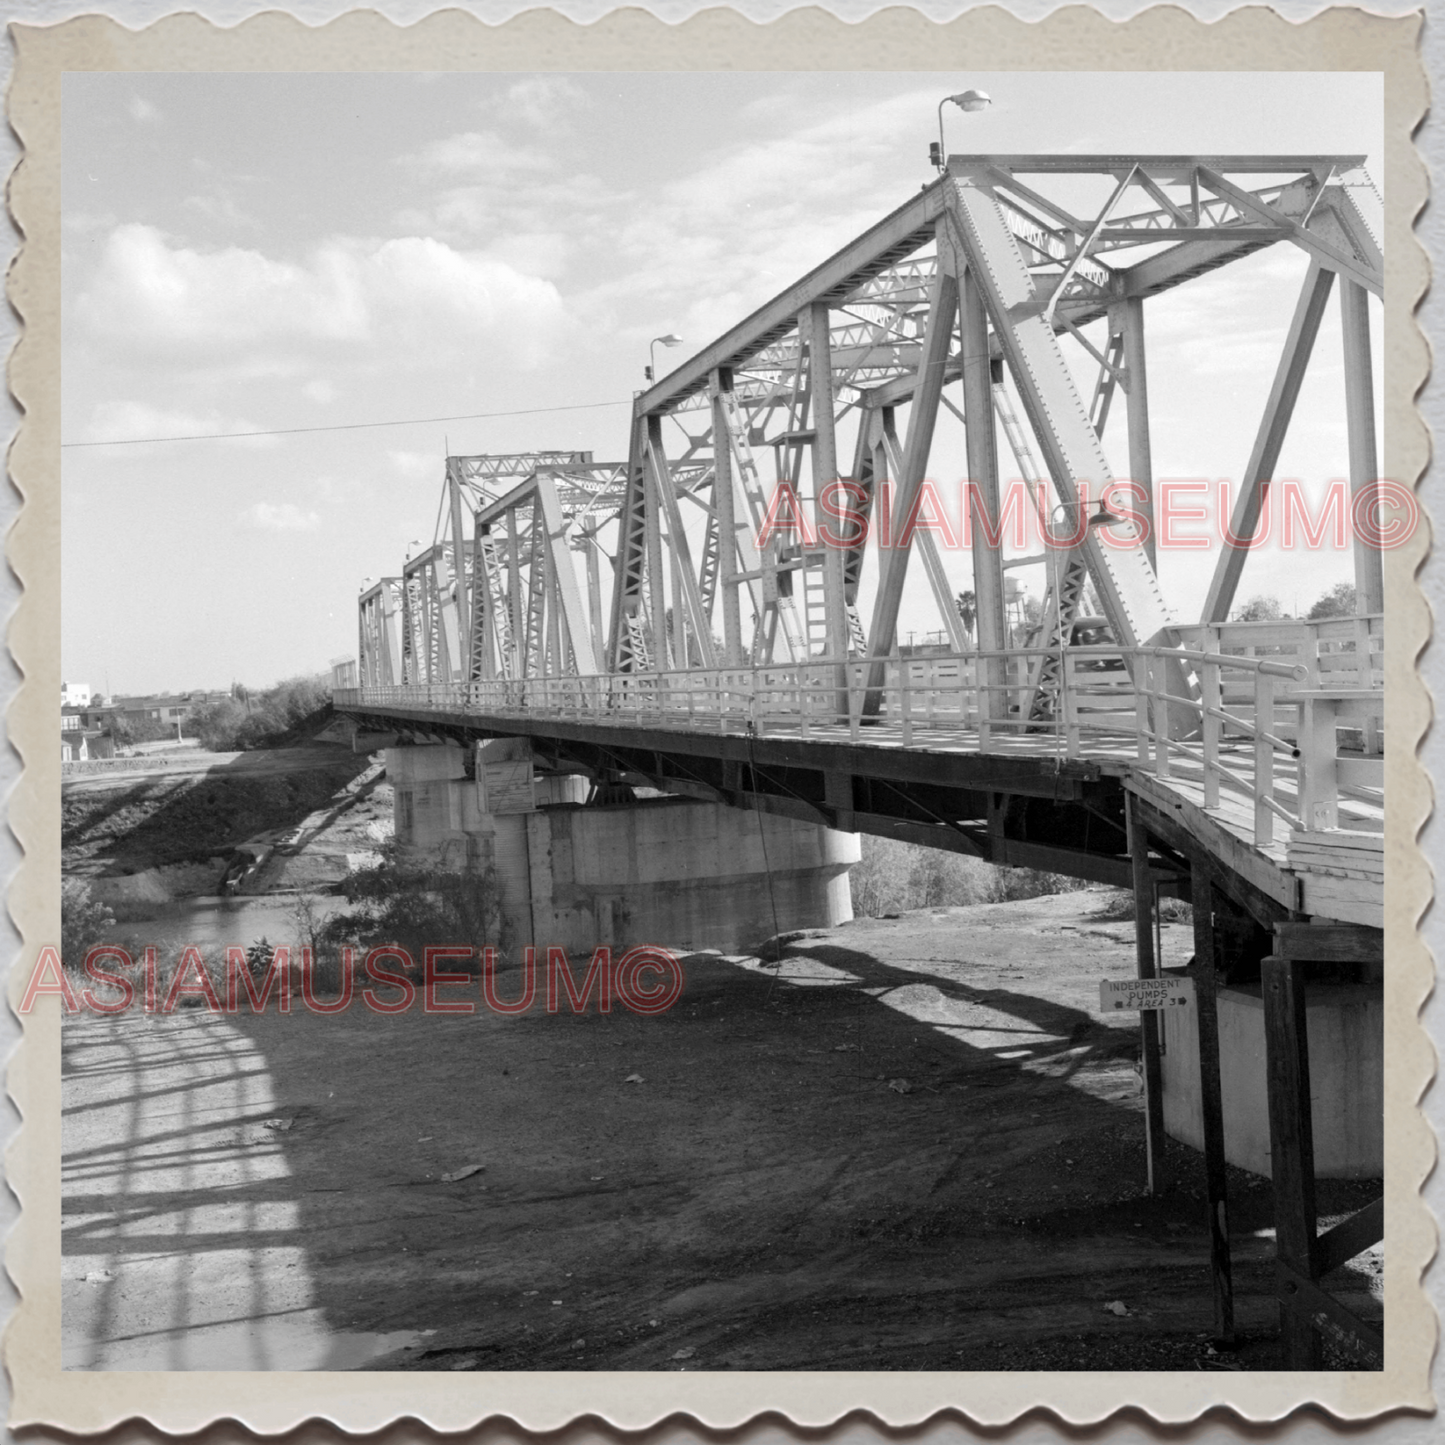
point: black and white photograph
(724, 721)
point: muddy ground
(912, 1144)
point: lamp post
(969, 100)
(668, 340)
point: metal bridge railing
(1260, 728)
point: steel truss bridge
(632, 619)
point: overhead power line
(341, 426)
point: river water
(214, 924)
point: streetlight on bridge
(969, 100)
(668, 340)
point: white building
(75, 694)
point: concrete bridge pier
(574, 873)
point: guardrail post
(1159, 711)
(1141, 711)
(1263, 757)
(1213, 703)
(1319, 764)
(1069, 706)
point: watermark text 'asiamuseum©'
(1186, 514)
(645, 980)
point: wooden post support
(1149, 1019)
(1291, 1152)
(1206, 973)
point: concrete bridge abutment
(667, 871)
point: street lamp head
(972, 100)
(670, 339)
(969, 100)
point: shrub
(415, 904)
(252, 719)
(84, 922)
(1118, 907)
(218, 725)
(894, 877)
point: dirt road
(912, 1145)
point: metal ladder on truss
(815, 606)
(637, 641)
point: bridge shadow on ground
(789, 1170)
(161, 819)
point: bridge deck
(1244, 798)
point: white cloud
(482, 153)
(80, 223)
(142, 110)
(752, 216)
(220, 208)
(282, 517)
(415, 466)
(320, 390)
(542, 101)
(397, 302)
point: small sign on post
(1145, 993)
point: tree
(217, 724)
(1260, 608)
(129, 728)
(967, 605)
(1339, 601)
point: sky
(264, 252)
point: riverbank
(912, 1143)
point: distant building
(74, 694)
(168, 708)
(85, 745)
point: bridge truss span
(717, 613)
(652, 593)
